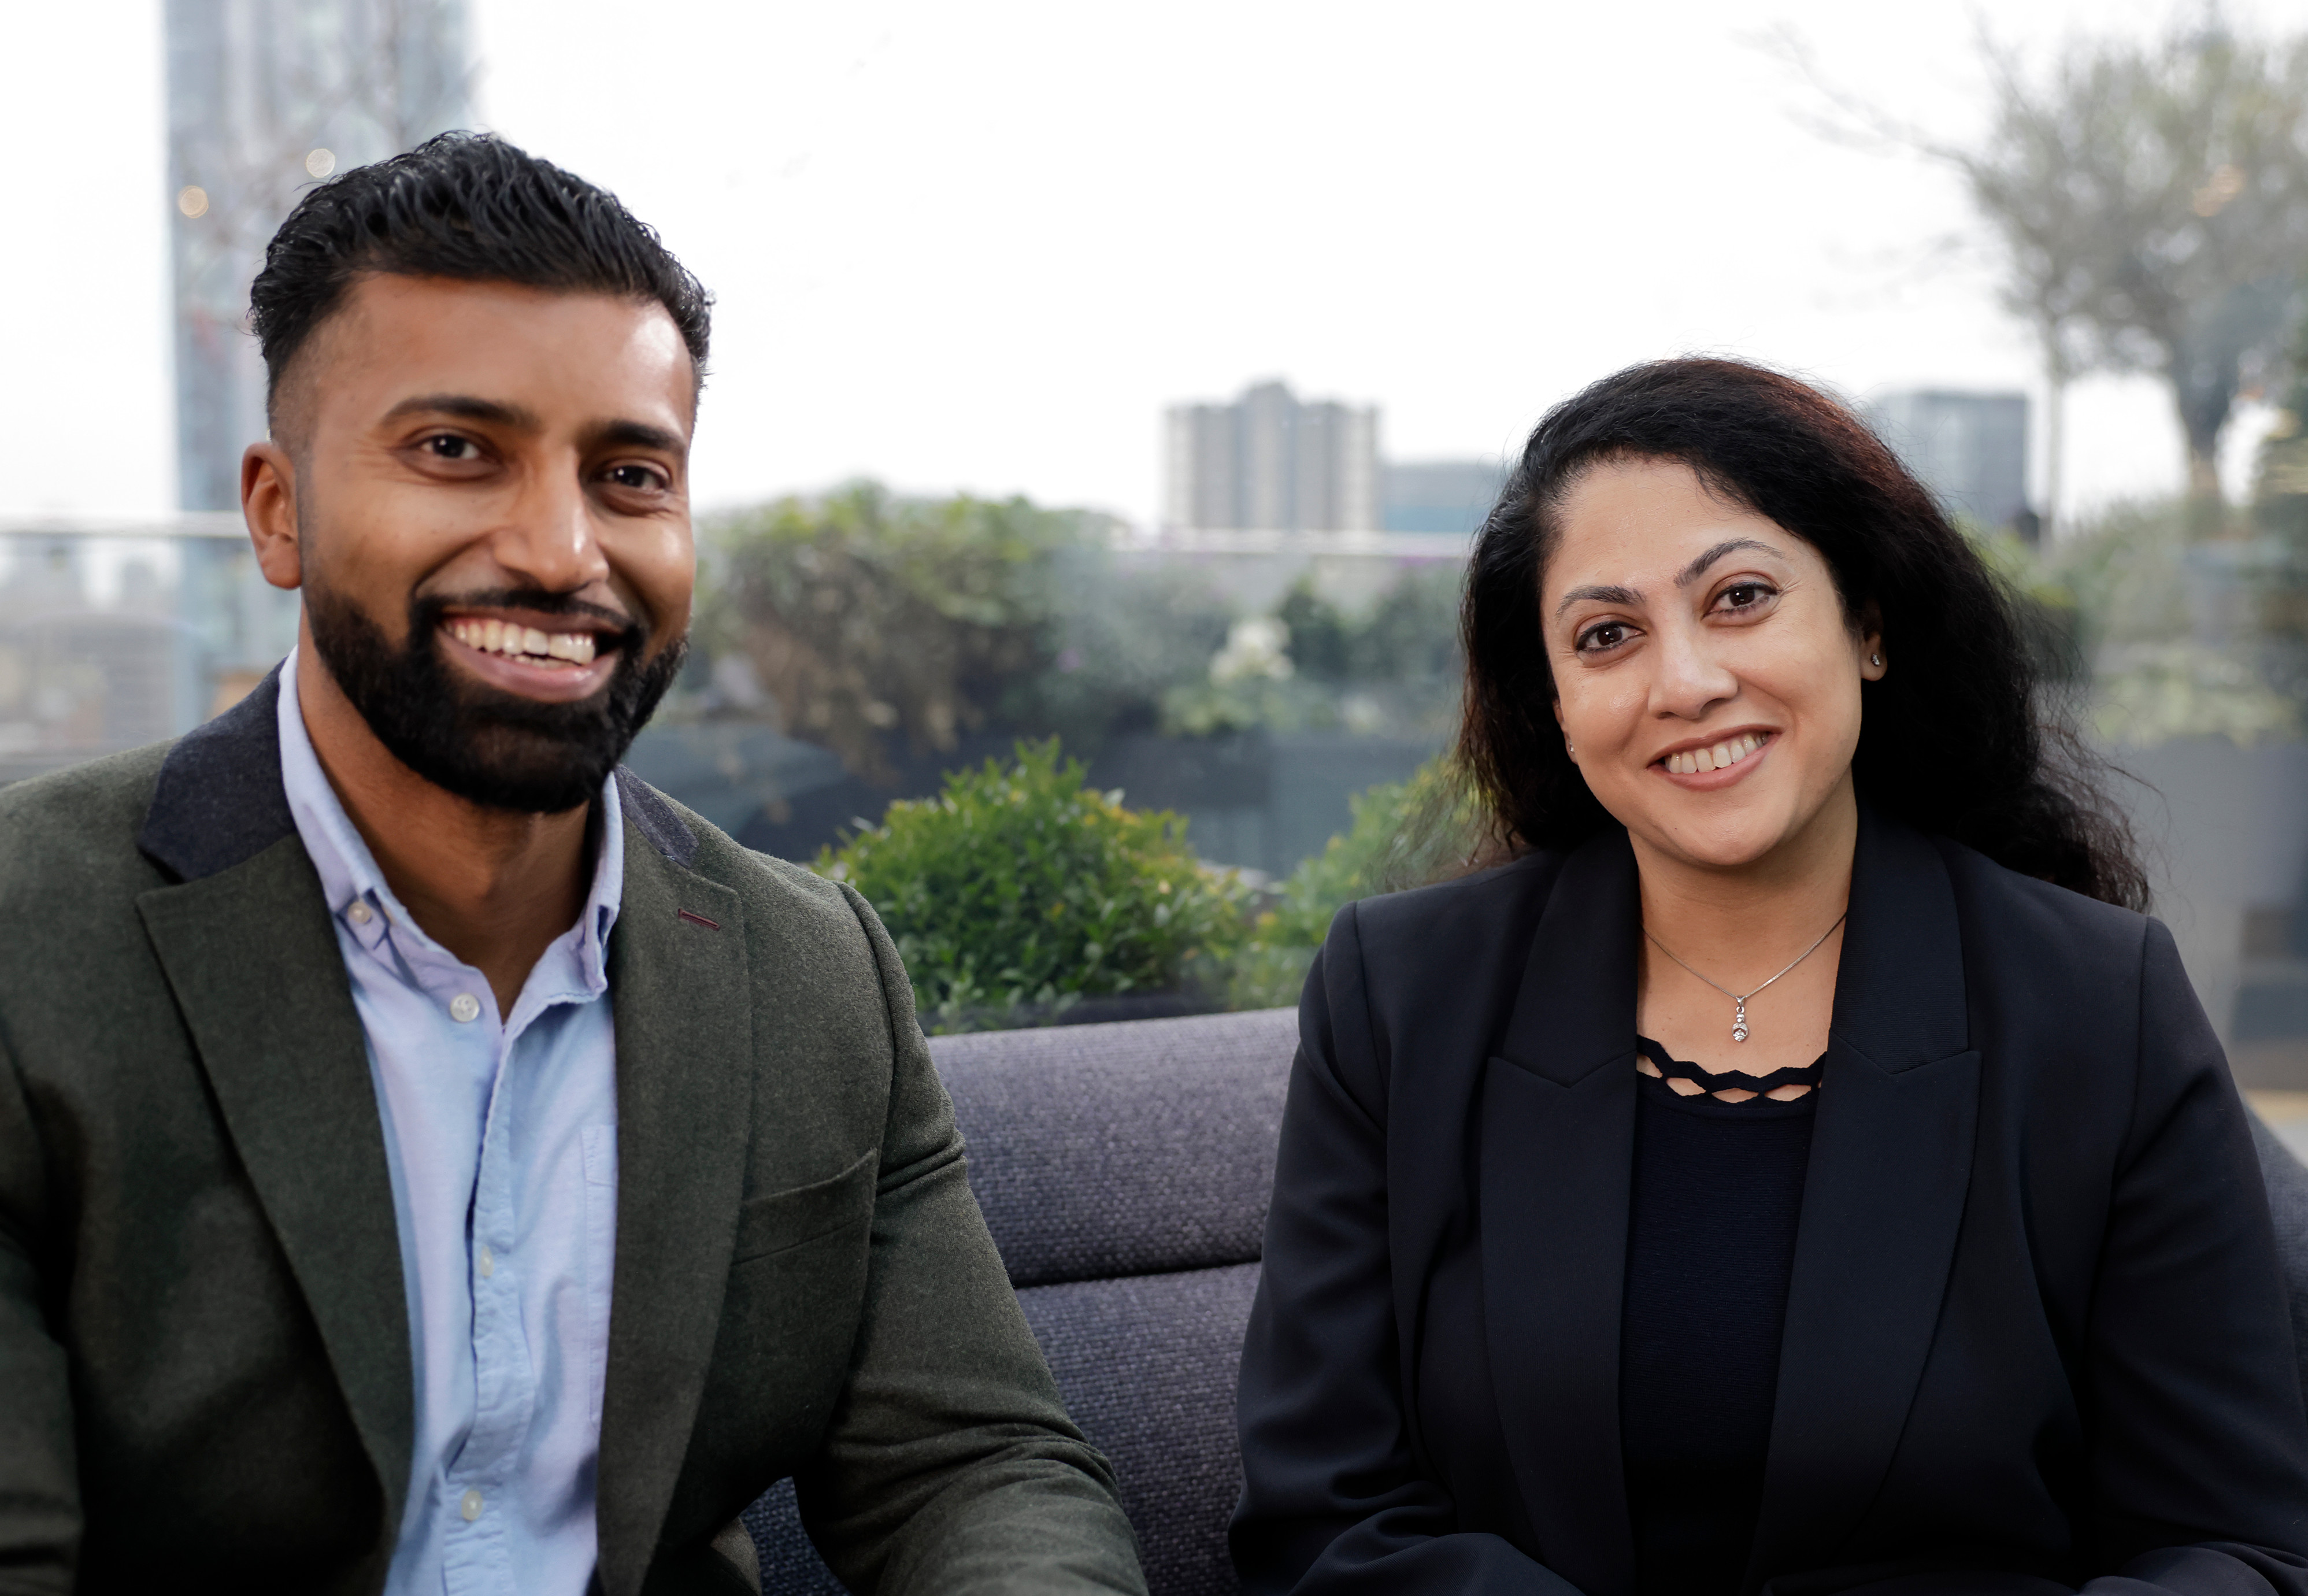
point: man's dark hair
(468, 206)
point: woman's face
(1706, 676)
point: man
(431, 1160)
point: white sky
(982, 245)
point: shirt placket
(504, 1381)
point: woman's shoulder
(2022, 917)
(1480, 905)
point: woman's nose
(1690, 679)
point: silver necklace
(1739, 1015)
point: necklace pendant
(1739, 1024)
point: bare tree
(2148, 202)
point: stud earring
(1876, 660)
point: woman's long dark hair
(1953, 740)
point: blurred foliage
(1120, 640)
(2151, 692)
(2281, 505)
(1404, 834)
(1312, 666)
(1018, 892)
(864, 614)
(2173, 630)
(862, 619)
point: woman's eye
(1744, 595)
(1610, 635)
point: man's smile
(516, 640)
(571, 662)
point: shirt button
(488, 1262)
(470, 1506)
(359, 913)
(464, 1008)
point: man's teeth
(1721, 757)
(496, 637)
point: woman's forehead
(1623, 522)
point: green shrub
(1404, 834)
(1018, 890)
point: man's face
(492, 526)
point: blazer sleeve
(2200, 1464)
(1334, 1499)
(40, 1489)
(951, 1466)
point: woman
(1800, 1169)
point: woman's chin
(1742, 840)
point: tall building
(265, 97)
(1269, 462)
(1970, 449)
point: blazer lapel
(252, 957)
(1883, 1198)
(1557, 1141)
(684, 1014)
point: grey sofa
(1123, 1170)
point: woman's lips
(549, 678)
(1720, 764)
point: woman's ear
(1871, 644)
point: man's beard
(487, 746)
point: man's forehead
(541, 355)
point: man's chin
(456, 722)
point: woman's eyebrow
(1600, 595)
(1698, 567)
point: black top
(1710, 1245)
(2036, 1330)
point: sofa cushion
(1148, 1366)
(1134, 1148)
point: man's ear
(267, 503)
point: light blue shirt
(501, 1133)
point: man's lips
(515, 639)
(561, 666)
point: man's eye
(449, 446)
(639, 477)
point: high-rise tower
(266, 96)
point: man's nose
(551, 539)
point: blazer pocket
(777, 1221)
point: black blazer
(2035, 1333)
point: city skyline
(1007, 306)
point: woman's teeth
(1721, 757)
(496, 637)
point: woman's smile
(1711, 766)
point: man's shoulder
(783, 891)
(79, 825)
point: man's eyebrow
(1600, 595)
(467, 407)
(1698, 567)
(638, 435)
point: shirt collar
(349, 873)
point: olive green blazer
(204, 1359)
